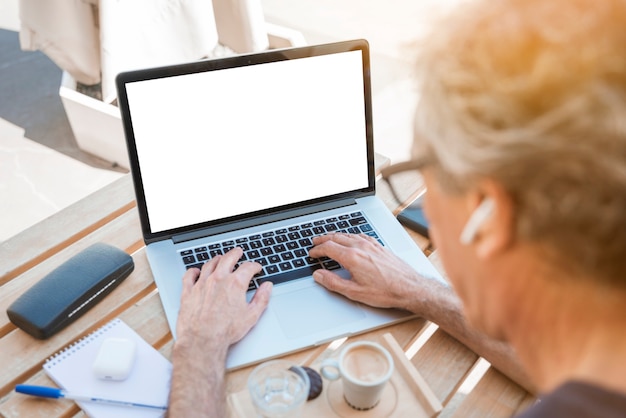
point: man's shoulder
(579, 400)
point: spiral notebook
(148, 382)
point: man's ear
(490, 226)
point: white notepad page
(148, 382)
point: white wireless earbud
(475, 221)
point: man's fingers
(247, 270)
(228, 260)
(209, 266)
(223, 265)
(256, 307)
(189, 278)
(333, 282)
(344, 239)
(328, 248)
(261, 298)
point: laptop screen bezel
(230, 62)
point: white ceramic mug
(365, 368)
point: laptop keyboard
(283, 252)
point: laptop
(261, 151)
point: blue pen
(46, 392)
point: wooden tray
(407, 394)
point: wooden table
(110, 215)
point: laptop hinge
(260, 220)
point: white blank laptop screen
(227, 142)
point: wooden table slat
(60, 230)
(494, 395)
(444, 363)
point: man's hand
(213, 304)
(214, 314)
(379, 278)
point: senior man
(521, 140)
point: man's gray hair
(532, 93)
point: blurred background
(44, 169)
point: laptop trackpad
(314, 309)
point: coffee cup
(364, 368)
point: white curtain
(94, 40)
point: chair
(94, 40)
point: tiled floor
(36, 181)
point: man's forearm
(439, 304)
(198, 387)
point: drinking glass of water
(278, 388)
